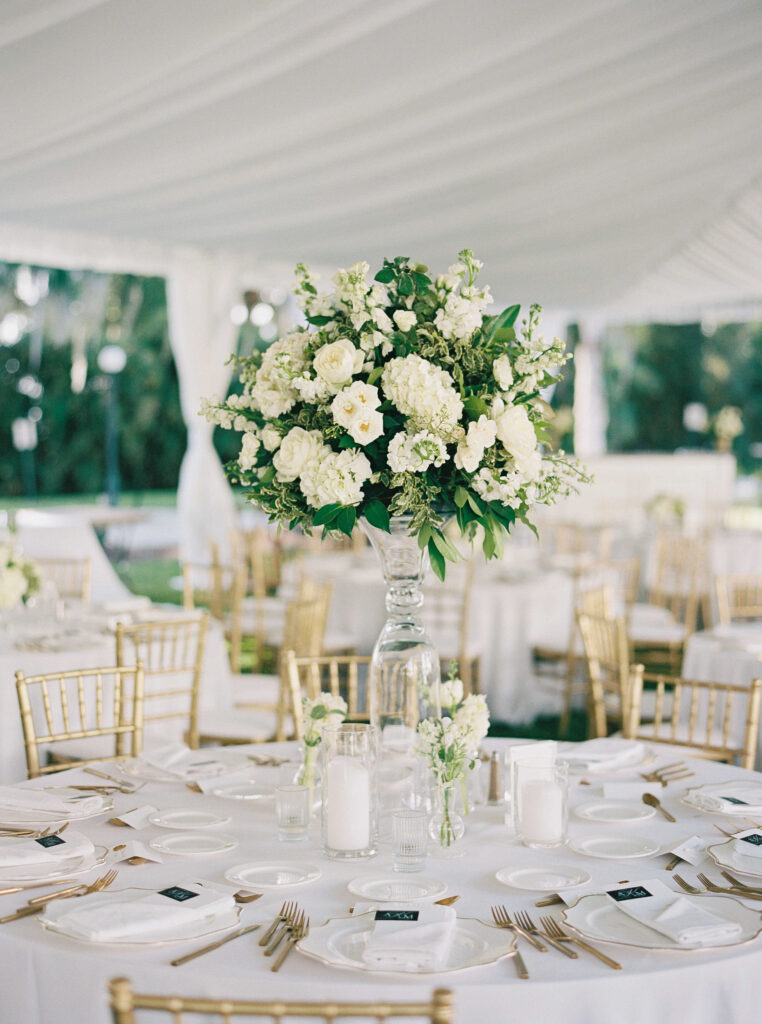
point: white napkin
(723, 796)
(44, 802)
(677, 917)
(131, 915)
(420, 943)
(182, 762)
(748, 844)
(603, 753)
(22, 852)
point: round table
(48, 977)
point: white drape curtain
(200, 293)
(590, 408)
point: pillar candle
(542, 811)
(347, 804)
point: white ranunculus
(270, 438)
(404, 319)
(503, 372)
(366, 427)
(337, 361)
(515, 431)
(297, 448)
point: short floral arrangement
(450, 744)
(315, 713)
(400, 397)
(19, 577)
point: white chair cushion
(239, 724)
(656, 633)
(643, 615)
(256, 688)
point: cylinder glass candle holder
(540, 807)
(349, 813)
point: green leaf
(444, 545)
(318, 712)
(269, 475)
(345, 441)
(319, 321)
(377, 515)
(346, 519)
(326, 514)
(504, 335)
(488, 544)
(476, 407)
(505, 319)
(437, 560)
(461, 496)
(424, 536)
(475, 504)
(375, 374)
(405, 285)
(385, 275)
(422, 282)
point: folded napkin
(138, 916)
(677, 917)
(740, 797)
(748, 845)
(414, 939)
(16, 853)
(179, 761)
(606, 752)
(47, 803)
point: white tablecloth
(93, 646)
(46, 977)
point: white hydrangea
(298, 448)
(13, 585)
(273, 392)
(480, 436)
(335, 477)
(425, 393)
(248, 454)
(472, 718)
(414, 453)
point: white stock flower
(337, 361)
(404, 319)
(414, 453)
(335, 477)
(382, 321)
(472, 717)
(271, 438)
(248, 454)
(297, 449)
(503, 372)
(366, 426)
(451, 692)
(514, 429)
(470, 452)
(312, 389)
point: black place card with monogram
(632, 892)
(47, 841)
(396, 915)
(176, 892)
(755, 839)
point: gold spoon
(653, 801)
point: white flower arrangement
(401, 397)
(450, 743)
(19, 577)
(315, 713)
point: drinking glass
(292, 809)
(540, 805)
(410, 832)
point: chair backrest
(306, 620)
(719, 720)
(446, 611)
(679, 576)
(342, 675)
(607, 653)
(124, 1002)
(171, 651)
(215, 587)
(626, 574)
(739, 597)
(580, 539)
(71, 577)
(79, 705)
(259, 551)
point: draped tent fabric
(603, 157)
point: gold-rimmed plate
(17, 817)
(63, 868)
(724, 854)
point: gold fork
(298, 931)
(669, 773)
(32, 908)
(286, 928)
(741, 885)
(528, 925)
(280, 917)
(734, 891)
(553, 929)
(502, 919)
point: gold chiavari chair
(610, 672)
(81, 706)
(739, 598)
(564, 668)
(72, 577)
(220, 590)
(342, 675)
(171, 651)
(124, 1004)
(446, 615)
(707, 719)
(577, 539)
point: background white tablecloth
(46, 977)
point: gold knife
(214, 945)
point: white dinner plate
(62, 869)
(205, 766)
(542, 879)
(210, 925)
(632, 755)
(249, 790)
(193, 844)
(396, 888)
(615, 812)
(700, 798)
(725, 855)
(340, 942)
(185, 819)
(272, 876)
(615, 847)
(17, 816)
(597, 917)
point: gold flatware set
(38, 903)
(669, 773)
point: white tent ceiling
(595, 154)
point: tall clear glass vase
(404, 670)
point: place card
(178, 893)
(691, 850)
(134, 848)
(137, 817)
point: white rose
(404, 320)
(515, 430)
(297, 448)
(366, 427)
(336, 362)
(503, 372)
(270, 438)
